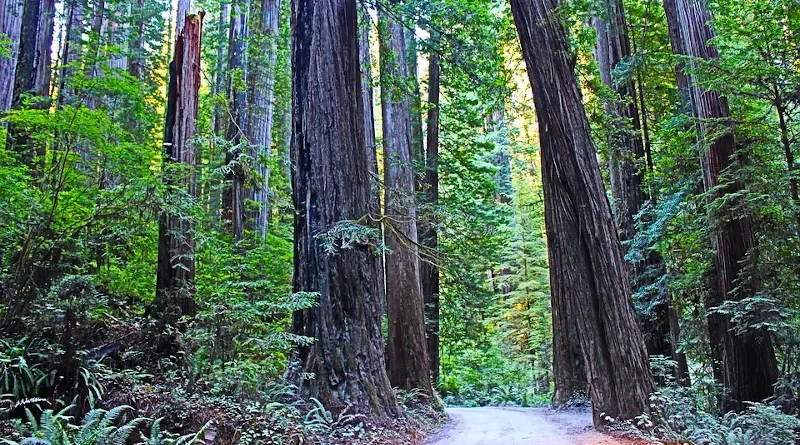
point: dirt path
(520, 426)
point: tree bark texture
(676, 42)
(263, 57)
(429, 269)
(10, 25)
(588, 273)
(415, 108)
(331, 184)
(627, 165)
(367, 95)
(184, 6)
(744, 363)
(236, 157)
(569, 372)
(32, 74)
(407, 357)
(175, 277)
(625, 148)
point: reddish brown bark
(627, 165)
(175, 280)
(367, 98)
(745, 363)
(588, 274)
(429, 270)
(331, 184)
(407, 358)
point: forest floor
(521, 426)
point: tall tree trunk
(263, 57)
(415, 108)
(72, 50)
(407, 357)
(626, 150)
(367, 99)
(502, 160)
(588, 273)
(676, 41)
(235, 194)
(119, 36)
(137, 59)
(429, 269)
(220, 78)
(175, 277)
(32, 74)
(627, 164)
(10, 25)
(184, 6)
(745, 363)
(783, 125)
(331, 184)
(569, 370)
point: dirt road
(519, 426)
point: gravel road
(520, 426)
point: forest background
(85, 205)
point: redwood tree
(407, 357)
(236, 157)
(588, 274)
(743, 361)
(429, 269)
(10, 25)
(263, 57)
(32, 72)
(331, 185)
(175, 277)
(626, 171)
(367, 98)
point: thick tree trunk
(234, 197)
(331, 184)
(429, 269)
(588, 273)
(10, 25)
(744, 363)
(263, 57)
(32, 74)
(175, 278)
(367, 99)
(569, 372)
(627, 165)
(407, 357)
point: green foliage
(99, 427)
(686, 419)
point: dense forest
(323, 222)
